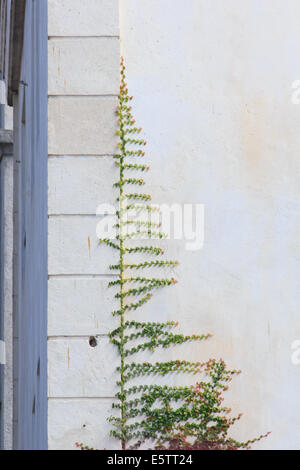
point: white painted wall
(212, 86)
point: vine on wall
(169, 417)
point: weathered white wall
(212, 86)
(83, 88)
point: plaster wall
(212, 85)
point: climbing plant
(167, 416)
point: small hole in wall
(92, 341)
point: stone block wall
(83, 87)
